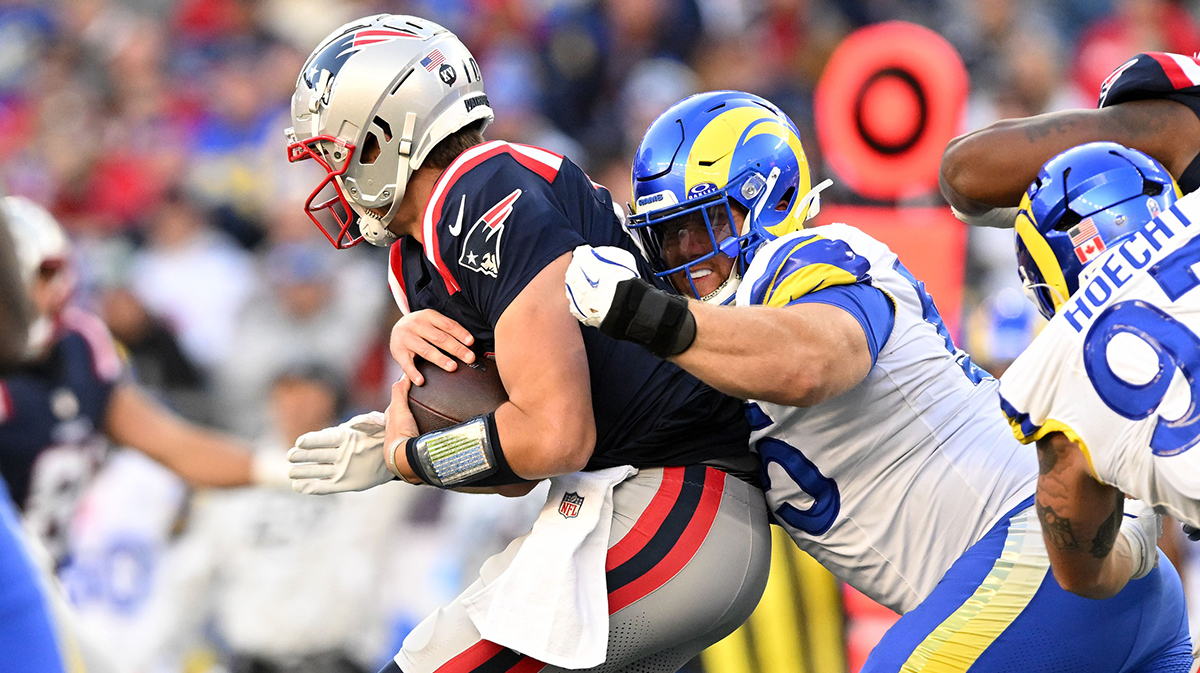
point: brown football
(447, 398)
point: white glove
(1141, 527)
(348, 457)
(592, 280)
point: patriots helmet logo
(336, 53)
(481, 249)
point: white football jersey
(1118, 368)
(889, 483)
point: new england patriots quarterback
(1150, 103)
(1106, 390)
(393, 108)
(884, 451)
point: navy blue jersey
(1158, 75)
(497, 216)
(51, 422)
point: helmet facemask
(691, 242)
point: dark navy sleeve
(509, 232)
(872, 309)
(1158, 75)
(1154, 75)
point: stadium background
(153, 130)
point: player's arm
(797, 355)
(1081, 521)
(547, 427)
(810, 334)
(993, 166)
(200, 456)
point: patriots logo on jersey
(481, 249)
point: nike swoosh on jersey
(456, 228)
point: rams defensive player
(1108, 389)
(884, 450)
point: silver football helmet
(371, 102)
(42, 249)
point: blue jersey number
(1176, 346)
(827, 501)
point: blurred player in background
(1150, 103)
(288, 582)
(32, 636)
(884, 453)
(481, 234)
(1105, 253)
(72, 394)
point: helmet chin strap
(812, 200)
(726, 291)
(374, 231)
(1031, 294)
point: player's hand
(592, 280)
(400, 426)
(1191, 532)
(430, 335)
(348, 457)
(1141, 527)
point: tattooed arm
(993, 166)
(1081, 519)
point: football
(447, 398)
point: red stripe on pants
(650, 520)
(683, 551)
(471, 658)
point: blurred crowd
(153, 130)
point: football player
(72, 394)
(1105, 253)
(1150, 103)
(29, 639)
(393, 108)
(884, 452)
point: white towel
(551, 603)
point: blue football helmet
(703, 154)
(1084, 201)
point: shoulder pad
(1149, 75)
(801, 264)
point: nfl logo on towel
(1086, 240)
(569, 507)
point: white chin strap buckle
(812, 200)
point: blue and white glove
(592, 280)
(1141, 527)
(348, 457)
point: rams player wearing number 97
(884, 451)
(1108, 390)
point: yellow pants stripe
(962, 637)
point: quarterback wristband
(645, 315)
(467, 454)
